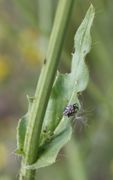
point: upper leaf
(64, 91)
(56, 129)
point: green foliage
(21, 128)
(56, 131)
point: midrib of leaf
(82, 40)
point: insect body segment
(70, 110)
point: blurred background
(25, 28)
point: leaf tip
(92, 9)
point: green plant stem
(44, 87)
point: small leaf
(21, 128)
(64, 91)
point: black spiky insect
(71, 110)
